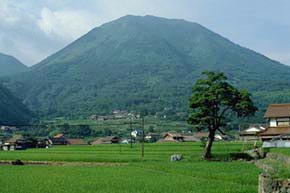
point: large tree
(213, 98)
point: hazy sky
(33, 29)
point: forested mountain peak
(144, 64)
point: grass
(121, 153)
(284, 151)
(279, 168)
(154, 174)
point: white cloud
(66, 24)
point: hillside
(10, 65)
(12, 111)
(143, 63)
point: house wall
(273, 122)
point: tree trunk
(207, 150)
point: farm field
(154, 174)
(284, 151)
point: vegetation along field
(121, 169)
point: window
(283, 121)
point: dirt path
(59, 163)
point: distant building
(201, 135)
(152, 137)
(251, 133)
(190, 138)
(93, 117)
(10, 144)
(58, 139)
(120, 114)
(172, 137)
(76, 141)
(18, 142)
(204, 136)
(176, 137)
(8, 128)
(278, 117)
(106, 140)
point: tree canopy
(213, 98)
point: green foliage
(10, 65)
(12, 111)
(213, 97)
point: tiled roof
(59, 135)
(14, 139)
(273, 131)
(278, 110)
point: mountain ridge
(141, 63)
(9, 65)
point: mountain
(145, 64)
(10, 65)
(12, 111)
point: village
(274, 133)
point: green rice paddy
(153, 174)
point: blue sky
(33, 29)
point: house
(74, 141)
(25, 143)
(18, 142)
(219, 137)
(176, 137)
(14, 139)
(106, 140)
(278, 117)
(10, 144)
(8, 128)
(201, 135)
(93, 117)
(171, 137)
(119, 114)
(58, 139)
(190, 138)
(204, 135)
(125, 141)
(251, 134)
(43, 143)
(152, 137)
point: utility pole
(131, 137)
(143, 135)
